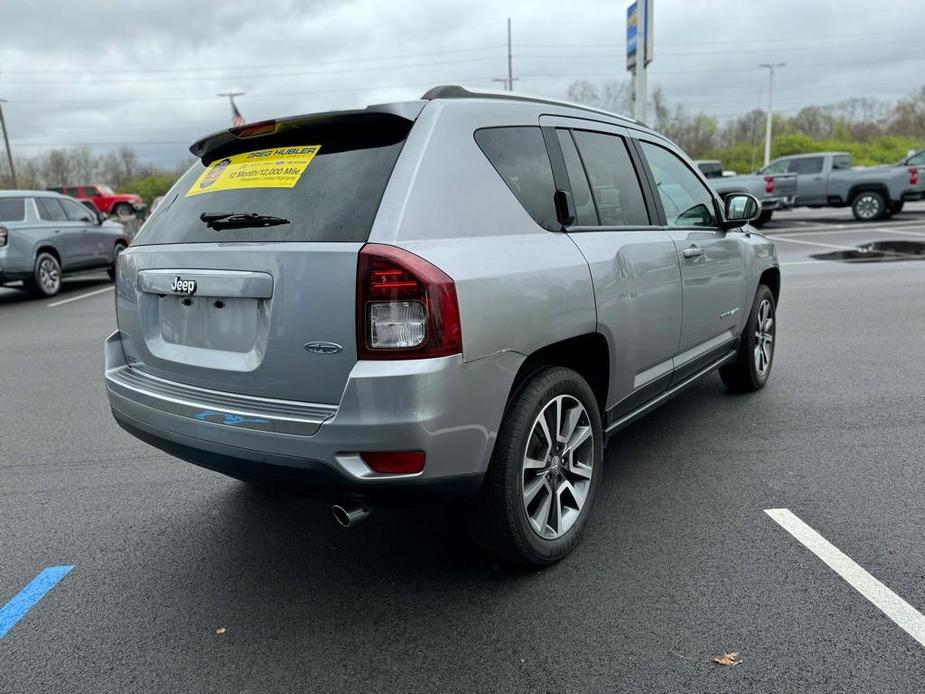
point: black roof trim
(455, 91)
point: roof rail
(454, 91)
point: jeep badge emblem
(323, 348)
(182, 286)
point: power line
(263, 75)
(251, 66)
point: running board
(631, 417)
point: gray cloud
(146, 73)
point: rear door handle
(692, 252)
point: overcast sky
(146, 73)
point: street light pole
(767, 130)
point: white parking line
(812, 243)
(81, 296)
(889, 230)
(902, 613)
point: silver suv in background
(452, 299)
(44, 236)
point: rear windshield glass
(12, 209)
(326, 181)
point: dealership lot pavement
(680, 563)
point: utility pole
(767, 130)
(236, 118)
(510, 61)
(6, 141)
(510, 79)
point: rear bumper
(911, 195)
(445, 407)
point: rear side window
(12, 209)
(776, 167)
(519, 155)
(918, 159)
(334, 198)
(614, 184)
(710, 169)
(585, 211)
(806, 165)
(50, 210)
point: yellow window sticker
(280, 167)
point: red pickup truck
(105, 199)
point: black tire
(499, 519)
(123, 210)
(111, 270)
(763, 218)
(896, 207)
(868, 206)
(46, 275)
(745, 374)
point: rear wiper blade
(240, 220)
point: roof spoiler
(205, 148)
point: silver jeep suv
(451, 299)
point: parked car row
(826, 179)
(44, 235)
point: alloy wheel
(868, 207)
(764, 337)
(557, 466)
(49, 275)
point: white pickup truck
(826, 179)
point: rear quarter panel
(520, 287)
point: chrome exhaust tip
(348, 516)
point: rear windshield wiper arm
(239, 220)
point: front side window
(806, 165)
(841, 163)
(90, 192)
(687, 201)
(12, 209)
(519, 155)
(50, 210)
(76, 212)
(614, 183)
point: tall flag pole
(236, 118)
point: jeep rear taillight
(913, 176)
(406, 307)
(4, 236)
(768, 184)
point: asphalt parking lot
(184, 580)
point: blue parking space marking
(27, 598)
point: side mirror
(101, 217)
(741, 208)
